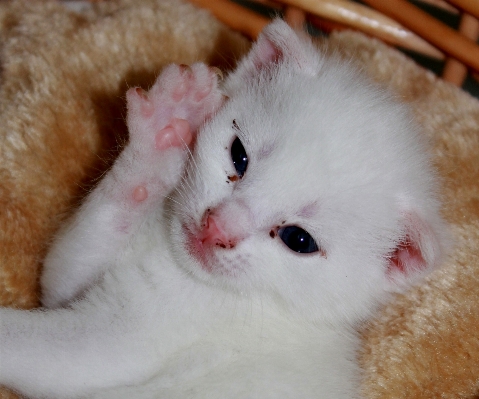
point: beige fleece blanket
(63, 79)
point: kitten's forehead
(293, 120)
(309, 137)
(285, 110)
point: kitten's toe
(189, 92)
(180, 93)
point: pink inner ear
(406, 257)
(266, 52)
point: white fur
(328, 151)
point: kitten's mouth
(196, 249)
(203, 253)
(211, 241)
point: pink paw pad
(171, 112)
(192, 91)
(140, 193)
(176, 134)
(162, 123)
(187, 83)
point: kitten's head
(310, 186)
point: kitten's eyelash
(235, 125)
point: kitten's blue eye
(239, 157)
(297, 239)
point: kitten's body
(199, 296)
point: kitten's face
(297, 189)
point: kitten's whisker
(184, 197)
(185, 182)
(192, 157)
(172, 199)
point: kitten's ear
(276, 43)
(419, 251)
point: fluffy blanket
(62, 106)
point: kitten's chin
(197, 250)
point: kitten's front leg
(162, 123)
(98, 343)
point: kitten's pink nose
(214, 234)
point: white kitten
(238, 270)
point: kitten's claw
(218, 73)
(145, 103)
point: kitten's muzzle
(225, 226)
(214, 233)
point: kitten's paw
(162, 123)
(169, 114)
